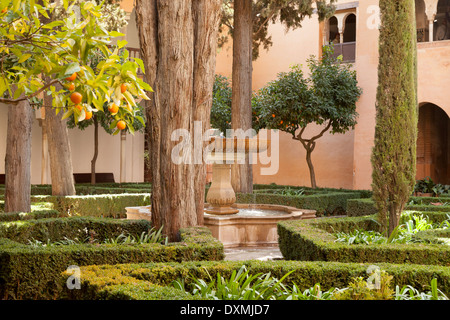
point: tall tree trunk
(18, 158)
(241, 107)
(179, 40)
(94, 158)
(60, 156)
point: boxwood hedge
(328, 203)
(103, 205)
(151, 281)
(31, 272)
(312, 240)
(363, 207)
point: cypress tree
(394, 152)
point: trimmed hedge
(152, 281)
(311, 240)
(104, 205)
(330, 203)
(363, 207)
(28, 272)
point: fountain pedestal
(226, 151)
(221, 195)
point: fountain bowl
(255, 225)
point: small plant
(241, 285)
(64, 242)
(401, 234)
(440, 190)
(410, 293)
(151, 236)
(290, 192)
(360, 289)
(424, 185)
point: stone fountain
(236, 224)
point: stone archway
(433, 144)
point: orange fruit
(121, 125)
(71, 87)
(281, 122)
(72, 77)
(88, 115)
(273, 116)
(76, 97)
(4, 10)
(113, 108)
(123, 88)
(79, 107)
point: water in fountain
(254, 212)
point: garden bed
(30, 266)
(313, 240)
(152, 281)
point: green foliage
(314, 240)
(360, 289)
(290, 13)
(403, 233)
(241, 285)
(62, 242)
(394, 152)
(328, 96)
(150, 236)
(39, 51)
(101, 205)
(221, 105)
(300, 281)
(326, 203)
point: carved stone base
(221, 195)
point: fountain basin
(255, 225)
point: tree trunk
(178, 41)
(312, 174)
(241, 107)
(94, 158)
(18, 158)
(61, 169)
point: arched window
(342, 35)
(421, 21)
(442, 21)
(333, 30)
(350, 28)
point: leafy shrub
(241, 285)
(403, 233)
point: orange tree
(327, 98)
(41, 54)
(106, 120)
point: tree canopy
(290, 13)
(37, 52)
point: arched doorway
(433, 144)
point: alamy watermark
(74, 280)
(198, 147)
